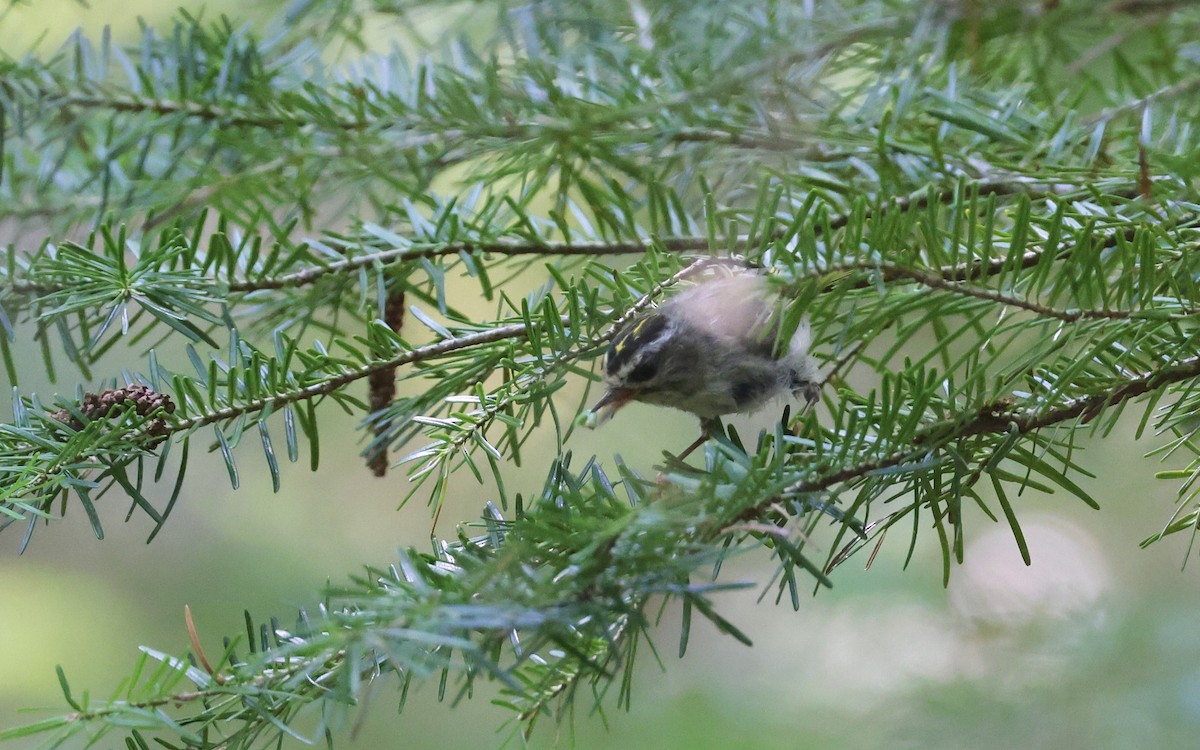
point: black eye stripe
(642, 372)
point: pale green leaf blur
(1094, 646)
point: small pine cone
(96, 406)
(147, 399)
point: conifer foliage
(988, 212)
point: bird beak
(612, 400)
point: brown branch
(1186, 86)
(1009, 186)
(997, 418)
(1114, 40)
(223, 115)
(937, 279)
(510, 249)
(325, 387)
(685, 244)
(748, 139)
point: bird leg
(708, 427)
(811, 390)
(688, 450)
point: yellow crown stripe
(630, 334)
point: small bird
(710, 350)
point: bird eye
(642, 372)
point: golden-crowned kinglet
(709, 350)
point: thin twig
(227, 116)
(937, 280)
(1185, 86)
(437, 250)
(325, 387)
(683, 244)
(997, 418)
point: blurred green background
(1093, 646)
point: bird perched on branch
(711, 350)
